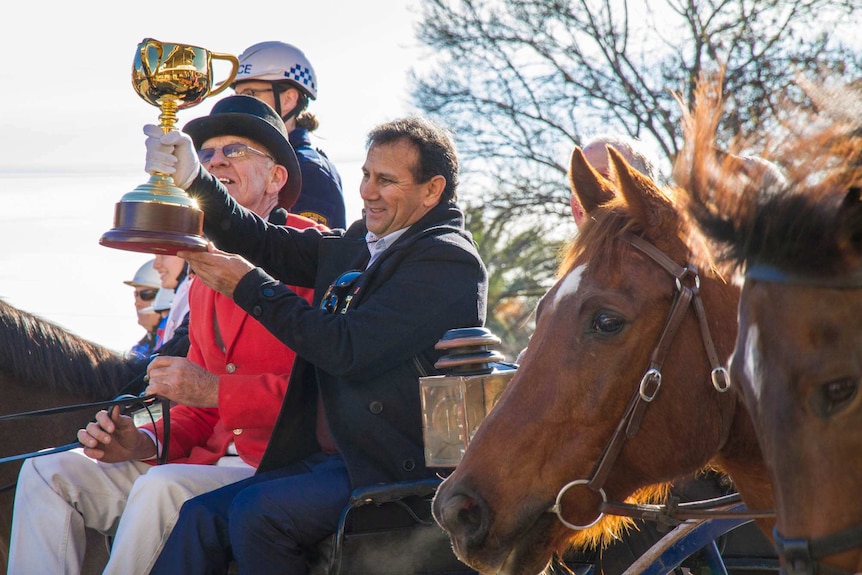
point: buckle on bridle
(689, 271)
(652, 376)
(797, 557)
(720, 379)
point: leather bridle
(687, 282)
(801, 556)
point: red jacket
(253, 368)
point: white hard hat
(146, 276)
(164, 298)
(275, 62)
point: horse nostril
(462, 515)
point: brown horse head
(798, 356)
(597, 334)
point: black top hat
(254, 119)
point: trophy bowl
(158, 216)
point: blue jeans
(265, 522)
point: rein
(125, 402)
(675, 513)
(687, 283)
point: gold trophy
(158, 216)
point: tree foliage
(522, 264)
(520, 82)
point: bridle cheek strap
(646, 392)
(651, 381)
(720, 377)
(688, 293)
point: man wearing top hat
(226, 393)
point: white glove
(172, 154)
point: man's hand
(172, 154)
(114, 437)
(181, 381)
(219, 270)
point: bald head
(596, 153)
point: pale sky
(71, 126)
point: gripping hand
(172, 154)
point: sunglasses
(337, 297)
(232, 151)
(146, 294)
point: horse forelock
(36, 351)
(597, 238)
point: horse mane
(36, 351)
(798, 222)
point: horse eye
(608, 323)
(838, 393)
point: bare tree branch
(521, 82)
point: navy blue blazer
(364, 363)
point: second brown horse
(600, 355)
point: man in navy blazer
(386, 290)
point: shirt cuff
(157, 443)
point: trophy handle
(145, 58)
(234, 69)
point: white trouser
(59, 495)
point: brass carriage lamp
(454, 404)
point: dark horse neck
(43, 366)
(35, 352)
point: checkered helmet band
(275, 61)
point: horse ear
(642, 195)
(591, 188)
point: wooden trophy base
(156, 228)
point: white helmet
(164, 298)
(275, 62)
(146, 276)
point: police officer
(279, 74)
